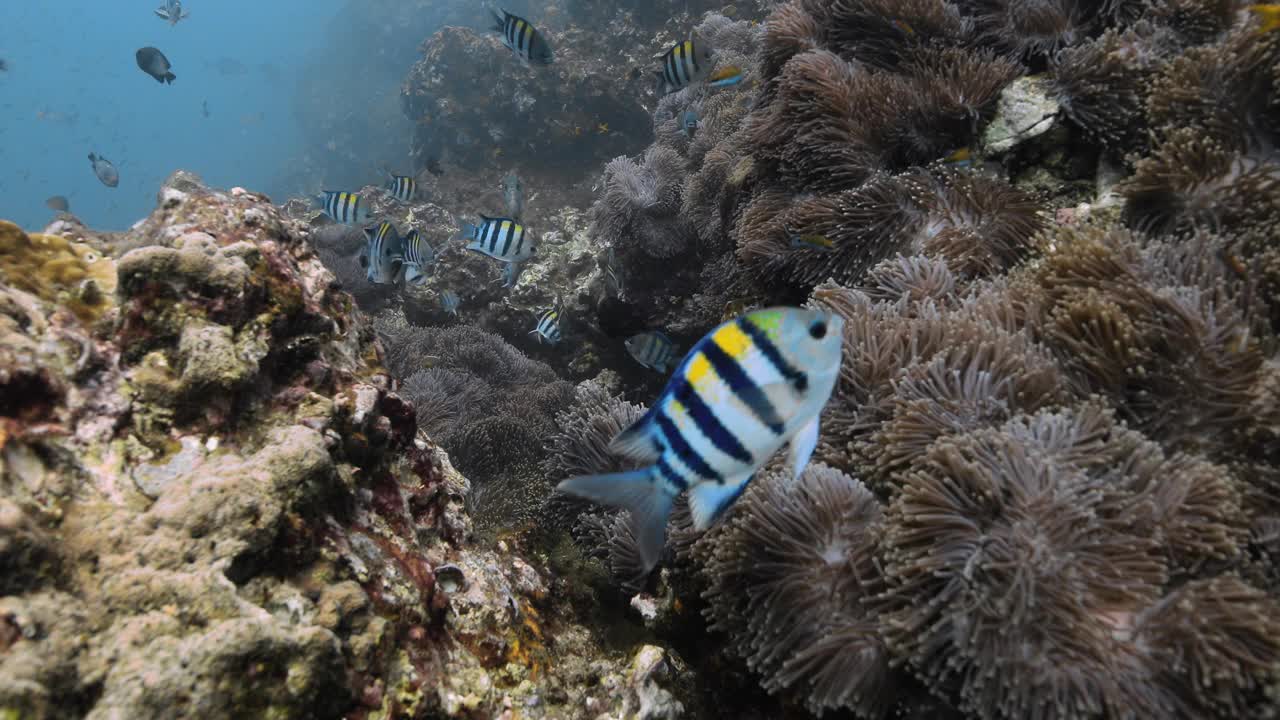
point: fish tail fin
(636, 491)
(93, 157)
(468, 232)
(170, 77)
(499, 22)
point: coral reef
(212, 503)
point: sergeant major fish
(172, 11)
(344, 207)
(752, 384)
(653, 350)
(522, 38)
(502, 239)
(105, 171)
(548, 327)
(418, 256)
(402, 187)
(513, 194)
(382, 255)
(684, 64)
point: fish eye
(818, 330)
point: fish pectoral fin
(709, 500)
(636, 442)
(802, 446)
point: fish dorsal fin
(637, 442)
(709, 500)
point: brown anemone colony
(1048, 482)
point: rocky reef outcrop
(214, 503)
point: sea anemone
(1192, 182)
(1101, 84)
(1196, 22)
(639, 210)
(791, 29)
(1031, 29)
(885, 32)
(787, 576)
(914, 279)
(1009, 568)
(580, 444)
(978, 224)
(1172, 358)
(1218, 643)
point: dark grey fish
(4, 67)
(154, 63)
(105, 171)
(59, 203)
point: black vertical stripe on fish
(683, 450)
(506, 246)
(769, 350)
(731, 372)
(670, 475)
(707, 421)
(520, 244)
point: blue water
(73, 61)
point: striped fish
(382, 255)
(751, 385)
(548, 327)
(344, 207)
(522, 38)
(450, 301)
(684, 64)
(418, 257)
(500, 238)
(402, 187)
(653, 350)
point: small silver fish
(450, 301)
(689, 123)
(382, 255)
(653, 350)
(419, 256)
(105, 171)
(513, 193)
(172, 11)
(548, 327)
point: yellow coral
(57, 270)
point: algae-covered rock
(1026, 110)
(213, 504)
